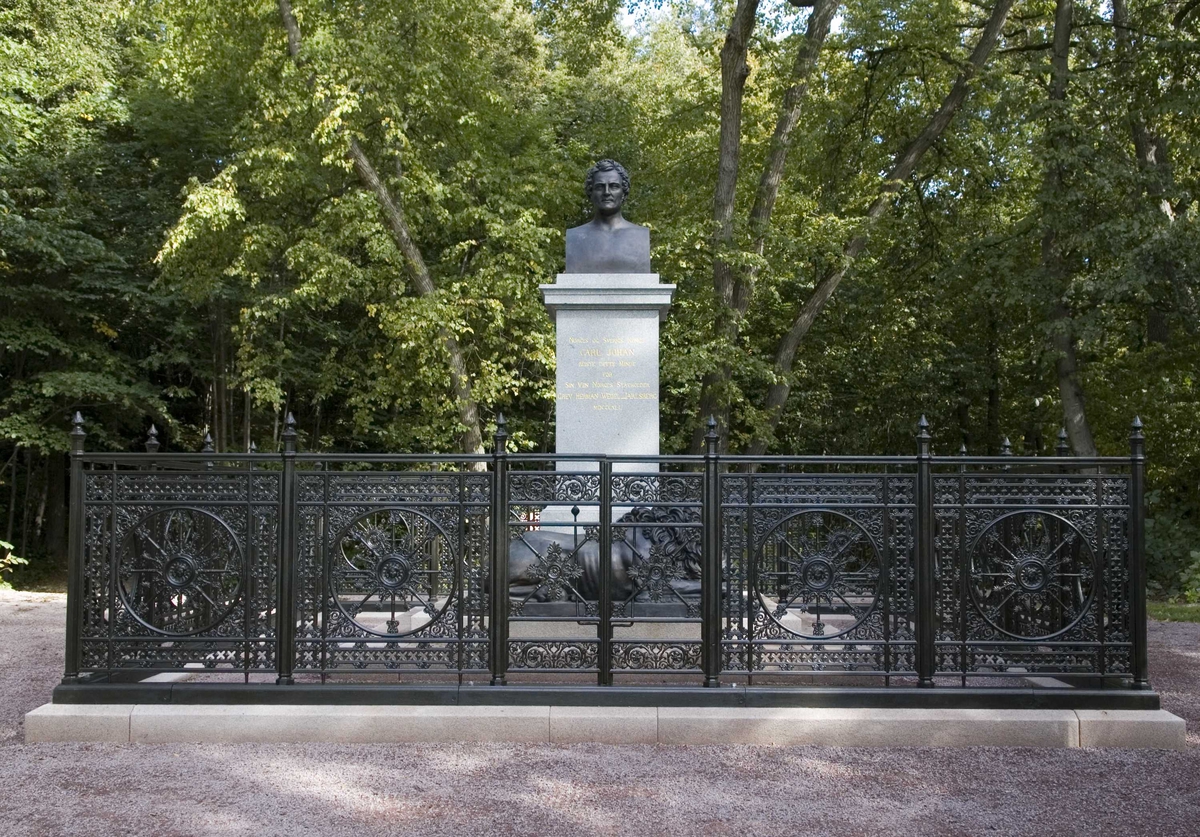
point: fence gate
(635, 614)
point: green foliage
(183, 239)
(9, 561)
(1172, 539)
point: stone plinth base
(197, 723)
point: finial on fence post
(924, 439)
(208, 448)
(710, 560)
(1064, 447)
(152, 444)
(498, 601)
(500, 439)
(285, 632)
(75, 556)
(1137, 552)
(253, 448)
(289, 433)
(77, 433)
(1006, 447)
(1137, 439)
(926, 635)
(711, 438)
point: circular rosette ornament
(557, 573)
(393, 572)
(818, 574)
(1033, 575)
(654, 574)
(179, 571)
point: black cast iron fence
(667, 573)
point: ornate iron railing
(653, 572)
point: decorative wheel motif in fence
(818, 574)
(396, 564)
(1033, 575)
(180, 571)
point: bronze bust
(608, 243)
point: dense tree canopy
(213, 213)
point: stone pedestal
(607, 379)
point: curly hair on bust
(605, 165)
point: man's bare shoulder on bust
(608, 243)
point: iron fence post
(926, 635)
(1137, 552)
(75, 553)
(498, 603)
(604, 656)
(285, 607)
(710, 572)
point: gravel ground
(177, 790)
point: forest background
(216, 213)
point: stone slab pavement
(173, 790)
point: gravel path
(370, 791)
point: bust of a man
(608, 243)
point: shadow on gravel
(431, 790)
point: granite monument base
(607, 379)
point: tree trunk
(903, 167)
(734, 288)
(29, 460)
(56, 503)
(1153, 158)
(1032, 432)
(12, 495)
(962, 412)
(471, 435)
(39, 517)
(468, 410)
(1070, 389)
(769, 181)
(1151, 150)
(1158, 326)
(1054, 260)
(714, 397)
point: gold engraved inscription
(606, 355)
